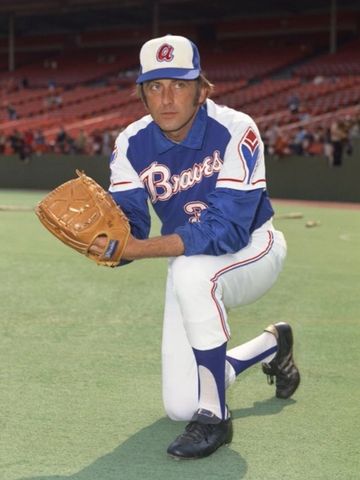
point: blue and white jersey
(210, 188)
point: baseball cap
(171, 56)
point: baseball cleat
(201, 439)
(282, 366)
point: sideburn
(143, 96)
(197, 94)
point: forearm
(161, 246)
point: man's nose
(167, 95)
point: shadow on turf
(143, 457)
(270, 406)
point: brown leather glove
(79, 211)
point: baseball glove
(79, 211)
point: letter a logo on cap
(165, 53)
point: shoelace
(270, 373)
(195, 431)
(280, 370)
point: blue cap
(171, 56)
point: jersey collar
(194, 139)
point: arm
(224, 227)
(134, 205)
(161, 246)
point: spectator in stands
(62, 141)
(354, 131)
(281, 147)
(2, 143)
(19, 146)
(303, 114)
(51, 85)
(11, 112)
(53, 99)
(307, 142)
(348, 124)
(24, 83)
(15, 140)
(299, 141)
(270, 137)
(58, 101)
(39, 142)
(28, 137)
(107, 144)
(294, 103)
(339, 137)
(328, 147)
(96, 143)
(316, 142)
(81, 142)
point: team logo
(165, 53)
(250, 147)
(161, 185)
(194, 209)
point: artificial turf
(80, 371)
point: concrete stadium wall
(49, 171)
(305, 178)
(311, 178)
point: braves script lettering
(161, 185)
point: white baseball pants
(200, 289)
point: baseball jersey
(210, 188)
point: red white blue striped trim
(231, 267)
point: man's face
(173, 104)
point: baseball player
(202, 167)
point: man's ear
(201, 94)
(140, 93)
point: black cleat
(282, 366)
(202, 436)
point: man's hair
(203, 82)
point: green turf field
(80, 391)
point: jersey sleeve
(128, 191)
(135, 206)
(123, 175)
(244, 165)
(225, 226)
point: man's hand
(98, 246)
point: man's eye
(179, 84)
(154, 87)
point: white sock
(260, 349)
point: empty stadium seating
(93, 91)
(346, 61)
